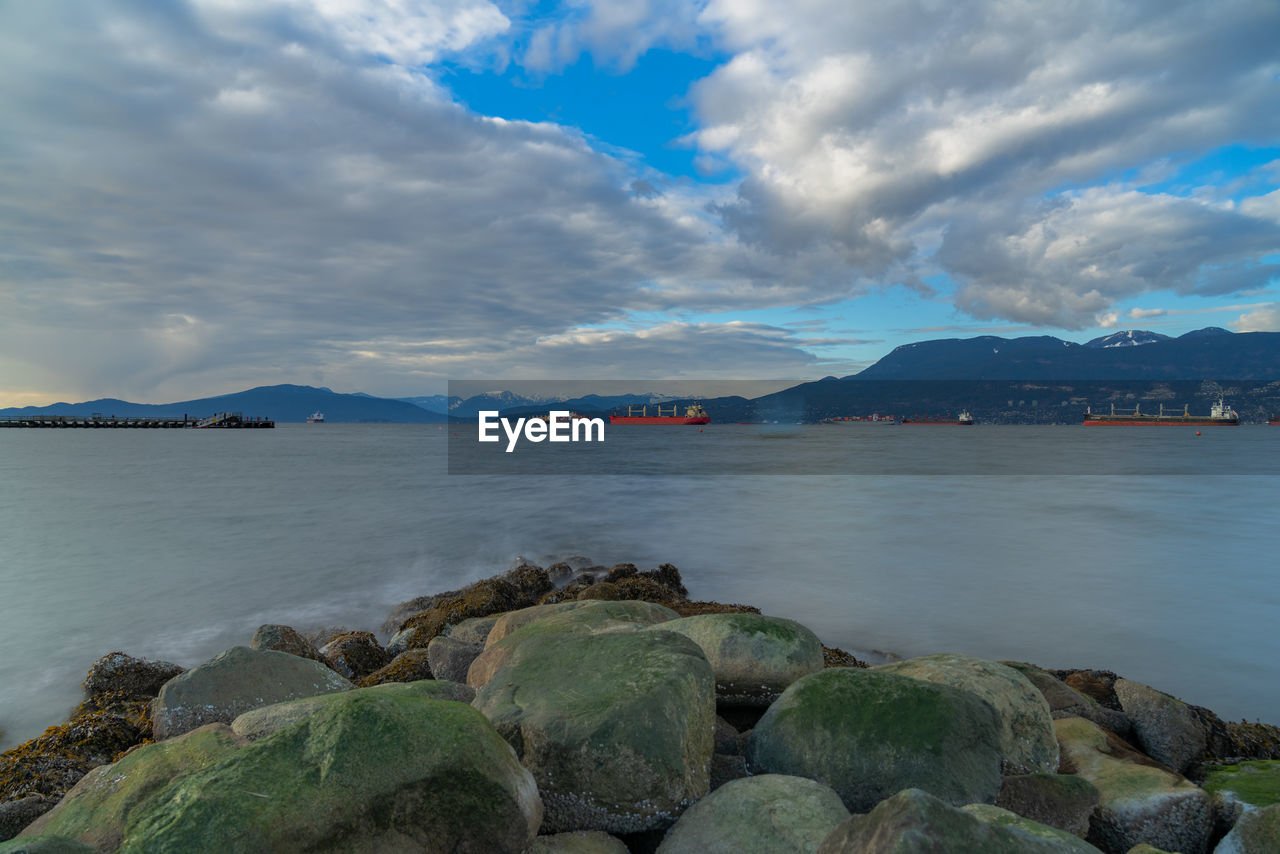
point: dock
(97, 421)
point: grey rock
(1165, 727)
(284, 639)
(119, 672)
(450, 659)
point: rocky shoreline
(590, 709)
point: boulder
(915, 822)
(1257, 832)
(578, 842)
(617, 728)
(16, 815)
(450, 658)
(1027, 742)
(1164, 727)
(412, 665)
(868, 734)
(1141, 800)
(515, 628)
(100, 806)
(355, 654)
(260, 723)
(1240, 786)
(139, 677)
(772, 812)
(234, 682)
(374, 771)
(725, 768)
(473, 630)
(401, 641)
(1064, 801)
(46, 845)
(605, 590)
(284, 639)
(754, 658)
(1066, 702)
(518, 588)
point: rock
(518, 588)
(412, 665)
(139, 677)
(1142, 801)
(1027, 741)
(400, 641)
(450, 659)
(1064, 801)
(754, 658)
(1257, 832)
(234, 682)
(1096, 684)
(260, 723)
(915, 822)
(101, 805)
(474, 630)
(45, 845)
(869, 734)
(284, 639)
(834, 656)
(772, 812)
(355, 654)
(1066, 702)
(605, 590)
(1165, 727)
(18, 814)
(615, 727)
(578, 842)
(728, 739)
(580, 616)
(376, 770)
(725, 767)
(515, 628)
(1234, 788)
(1144, 848)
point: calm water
(178, 544)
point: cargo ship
(963, 419)
(874, 418)
(1219, 414)
(693, 414)
(1274, 422)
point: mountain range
(1035, 378)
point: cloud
(1265, 319)
(865, 127)
(615, 32)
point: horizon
(380, 196)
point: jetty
(220, 420)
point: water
(178, 544)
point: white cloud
(1259, 320)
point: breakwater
(220, 420)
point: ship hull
(911, 422)
(658, 420)
(1156, 421)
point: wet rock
(605, 590)
(284, 639)
(915, 822)
(120, 673)
(412, 665)
(869, 734)
(725, 767)
(1027, 741)
(1098, 684)
(100, 806)
(260, 723)
(1066, 702)
(450, 659)
(473, 630)
(835, 657)
(1141, 800)
(754, 658)
(578, 842)
(652, 693)
(374, 770)
(355, 654)
(772, 812)
(1257, 832)
(1064, 801)
(519, 588)
(1165, 727)
(234, 682)
(16, 815)
(728, 739)
(45, 845)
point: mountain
(283, 403)
(438, 403)
(1127, 338)
(1205, 354)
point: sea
(1148, 551)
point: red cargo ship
(694, 414)
(1219, 414)
(964, 418)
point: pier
(221, 420)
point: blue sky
(382, 195)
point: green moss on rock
(1256, 783)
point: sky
(201, 196)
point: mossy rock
(259, 723)
(412, 665)
(96, 811)
(754, 658)
(1066, 702)
(118, 672)
(578, 842)
(1166, 728)
(451, 659)
(1064, 801)
(519, 588)
(1256, 783)
(1141, 800)
(616, 727)
(915, 822)
(771, 812)
(284, 639)
(355, 654)
(868, 734)
(1256, 832)
(375, 770)
(1027, 741)
(473, 630)
(234, 682)
(46, 845)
